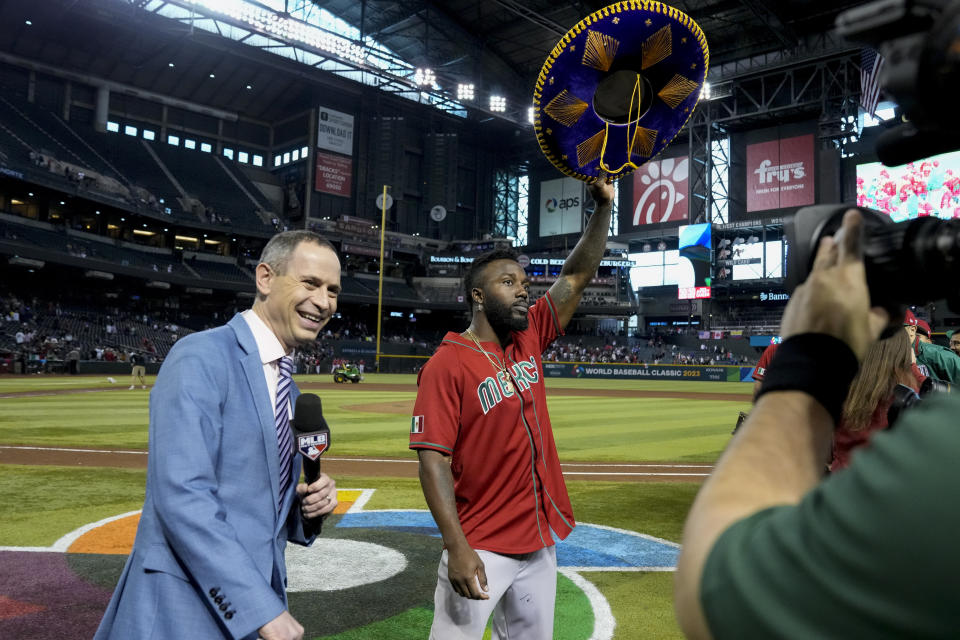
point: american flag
(871, 63)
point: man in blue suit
(222, 498)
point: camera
(912, 262)
(916, 261)
(905, 398)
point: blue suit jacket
(208, 560)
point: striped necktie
(282, 415)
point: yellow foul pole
(383, 224)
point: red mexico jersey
(507, 480)
(764, 362)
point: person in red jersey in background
(761, 369)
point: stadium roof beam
(117, 87)
(797, 87)
(769, 17)
(309, 43)
(532, 16)
(819, 46)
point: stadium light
(705, 91)
(424, 77)
(278, 24)
(465, 92)
(530, 115)
(498, 104)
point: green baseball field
(72, 474)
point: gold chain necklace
(500, 368)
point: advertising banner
(561, 206)
(716, 373)
(335, 131)
(660, 191)
(334, 174)
(688, 293)
(780, 173)
(364, 250)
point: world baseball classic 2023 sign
(641, 372)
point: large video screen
(771, 267)
(928, 187)
(654, 269)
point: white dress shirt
(270, 351)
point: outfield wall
(701, 373)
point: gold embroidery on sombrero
(677, 90)
(566, 108)
(657, 47)
(643, 142)
(599, 51)
(589, 149)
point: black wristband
(814, 363)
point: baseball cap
(923, 327)
(910, 319)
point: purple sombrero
(618, 87)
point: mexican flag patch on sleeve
(416, 424)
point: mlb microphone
(312, 438)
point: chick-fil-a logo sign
(660, 191)
(780, 173)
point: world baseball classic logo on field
(416, 424)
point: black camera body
(905, 398)
(917, 261)
(907, 263)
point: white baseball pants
(522, 590)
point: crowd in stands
(637, 351)
(39, 333)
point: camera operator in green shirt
(770, 548)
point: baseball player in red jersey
(761, 369)
(488, 462)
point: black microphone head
(308, 413)
(310, 429)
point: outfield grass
(587, 428)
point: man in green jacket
(954, 338)
(933, 360)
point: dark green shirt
(872, 552)
(942, 363)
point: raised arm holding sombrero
(488, 461)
